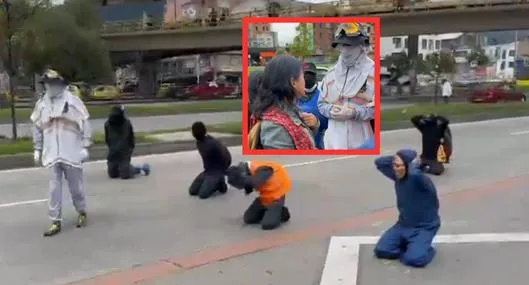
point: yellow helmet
(351, 34)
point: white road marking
(520, 133)
(182, 153)
(193, 152)
(28, 202)
(341, 266)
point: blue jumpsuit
(410, 239)
(310, 105)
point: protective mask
(53, 90)
(349, 55)
(310, 82)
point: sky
(285, 32)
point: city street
(155, 123)
(149, 231)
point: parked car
(500, 93)
(74, 90)
(212, 90)
(106, 92)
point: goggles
(349, 30)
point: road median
(18, 155)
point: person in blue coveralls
(410, 239)
(309, 102)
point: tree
(301, 46)
(398, 63)
(442, 62)
(479, 57)
(67, 39)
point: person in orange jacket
(272, 182)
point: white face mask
(349, 55)
(53, 90)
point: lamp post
(9, 65)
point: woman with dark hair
(276, 121)
(254, 82)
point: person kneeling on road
(410, 239)
(272, 182)
(119, 138)
(436, 142)
(216, 159)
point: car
(74, 90)
(500, 93)
(106, 92)
(212, 90)
(320, 73)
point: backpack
(254, 136)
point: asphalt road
(149, 124)
(156, 234)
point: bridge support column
(413, 55)
(147, 79)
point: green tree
(301, 46)
(479, 57)
(399, 63)
(442, 62)
(67, 39)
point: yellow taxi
(106, 92)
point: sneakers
(53, 229)
(146, 169)
(81, 220)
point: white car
(322, 71)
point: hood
(407, 156)
(117, 116)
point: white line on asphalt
(28, 202)
(520, 133)
(304, 163)
(341, 266)
(176, 154)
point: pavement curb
(25, 160)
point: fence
(337, 8)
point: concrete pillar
(413, 54)
(147, 79)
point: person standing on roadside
(61, 138)
(446, 90)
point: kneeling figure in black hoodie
(216, 159)
(119, 138)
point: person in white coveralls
(61, 138)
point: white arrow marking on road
(341, 265)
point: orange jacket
(277, 186)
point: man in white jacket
(61, 138)
(348, 91)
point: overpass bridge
(163, 40)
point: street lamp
(9, 65)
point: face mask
(350, 55)
(53, 90)
(310, 82)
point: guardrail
(329, 9)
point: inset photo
(311, 86)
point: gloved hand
(342, 112)
(84, 155)
(36, 157)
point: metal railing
(337, 8)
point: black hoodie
(216, 157)
(119, 135)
